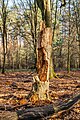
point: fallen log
(39, 112)
(47, 110)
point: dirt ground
(15, 86)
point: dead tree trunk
(44, 52)
(44, 55)
(41, 81)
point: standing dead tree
(41, 80)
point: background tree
(77, 19)
(4, 32)
(68, 59)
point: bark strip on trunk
(44, 52)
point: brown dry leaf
(2, 101)
(23, 101)
(8, 82)
(12, 101)
(56, 97)
(77, 110)
(34, 98)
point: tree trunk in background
(79, 51)
(68, 59)
(3, 67)
(0, 60)
(52, 64)
(33, 22)
(4, 35)
(77, 13)
(35, 31)
(13, 66)
(26, 60)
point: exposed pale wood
(44, 52)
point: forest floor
(15, 86)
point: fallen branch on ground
(9, 108)
(41, 112)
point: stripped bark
(44, 52)
(40, 88)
